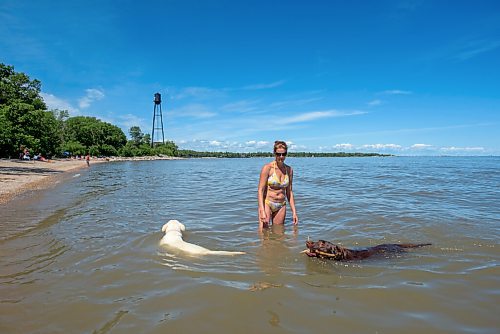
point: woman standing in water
(275, 187)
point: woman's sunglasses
(280, 154)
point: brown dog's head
(324, 249)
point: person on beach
(275, 187)
(87, 159)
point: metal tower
(156, 127)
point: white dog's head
(173, 225)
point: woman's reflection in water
(275, 253)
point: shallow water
(84, 257)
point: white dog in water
(173, 238)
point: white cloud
(257, 144)
(374, 103)
(234, 146)
(397, 92)
(462, 49)
(473, 48)
(195, 110)
(343, 146)
(211, 145)
(417, 130)
(462, 149)
(293, 102)
(130, 120)
(265, 86)
(54, 102)
(92, 95)
(420, 146)
(382, 146)
(295, 147)
(314, 115)
(215, 143)
(195, 92)
(206, 92)
(242, 106)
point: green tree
(23, 115)
(61, 117)
(136, 135)
(169, 149)
(73, 148)
(90, 131)
(129, 150)
(113, 135)
(147, 139)
(108, 150)
(6, 140)
(18, 87)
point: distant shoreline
(196, 154)
(145, 158)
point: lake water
(83, 256)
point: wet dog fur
(173, 239)
(327, 250)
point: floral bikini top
(274, 182)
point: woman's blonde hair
(280, 144)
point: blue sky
(402, 77)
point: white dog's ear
(183, 228)
(164, 228)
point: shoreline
(20, 176)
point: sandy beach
(18, 176)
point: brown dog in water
(327, 250)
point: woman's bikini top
(274, 182)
